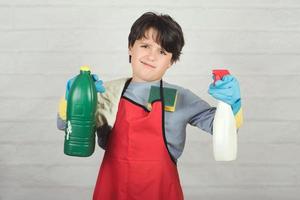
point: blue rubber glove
(228, 91)
(98, 83)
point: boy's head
(155, 43)
(169, 34)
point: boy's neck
(136, 80)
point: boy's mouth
(148, 65)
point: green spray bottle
(81, 109)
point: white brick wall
(43, 43)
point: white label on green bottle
(69, 129)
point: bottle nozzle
(219, 73)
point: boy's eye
(163, 52)
(144, 46)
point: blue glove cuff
(236, 106)
(68, 87)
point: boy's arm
(102, 135)
(198, 112)
(201, 114)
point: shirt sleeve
(199, 112)
(60, 123)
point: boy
(142, 145)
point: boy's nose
(151, 55)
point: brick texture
(43, 43)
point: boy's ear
(129, 53)
(170, 64)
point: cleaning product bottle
(81, 108)
(224, 128)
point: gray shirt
(190, 109)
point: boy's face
(149, 60)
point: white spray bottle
(224, 128)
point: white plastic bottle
(224, 128)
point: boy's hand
(98, 83)
(228, 91)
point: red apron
(137, 164)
